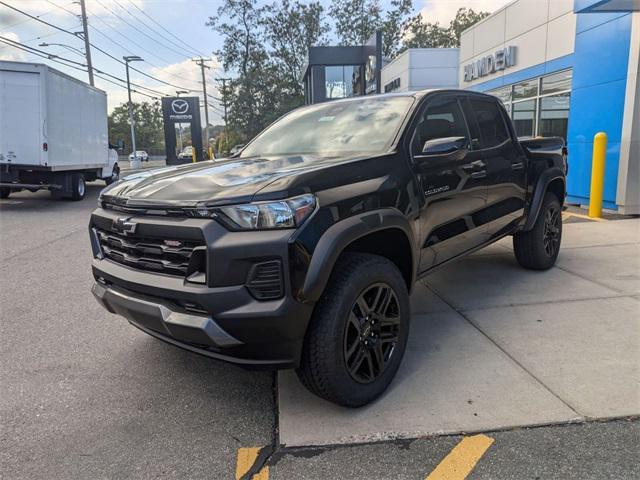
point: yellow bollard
(597, 174)
(193, 155)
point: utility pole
(224, 105)
(135, 163)
(201, 62)
(87, 45)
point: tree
(291, 28)
(267, 48)
(149, 125)
(239, 23)
(357, 20)
(465, 18)
(421, 34)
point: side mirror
(443, 146)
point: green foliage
(357, 20)
(267, 47)
(421, 34)
(149, 125)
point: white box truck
(53, 132)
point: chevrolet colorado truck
(302, 249)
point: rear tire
(5, 192)
(358, 331)
(78, 186)
(538, 248)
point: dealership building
(568, 68)
(561, 67)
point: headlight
(290, 213)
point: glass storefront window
(554, 115)
(539, 106)
(558, 82)
(526, 89)
(342, 81)
(524, 118)
(503, 93)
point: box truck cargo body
(53, 131)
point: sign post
(181, 110)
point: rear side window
(493, 130)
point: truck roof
(31, 67)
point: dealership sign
(501, 59)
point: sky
(167, 34)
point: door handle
(474, 165)
(517, 166)
(478, 174)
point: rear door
(453, 182)
(504, 162)
(21, 125)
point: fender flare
(337, 237)
(539, 192)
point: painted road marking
(246, 458)
(585, 217)
(462, 459)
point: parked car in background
(236, 149)
(302, 250)
(186, 153)
(53, 132)
(141, 154)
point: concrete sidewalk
(494, 346)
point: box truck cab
(53, 132)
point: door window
(442, 119)
(493, 131)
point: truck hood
(212, 182)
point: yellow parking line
(586, 217)
(462, 459)
(246, 458)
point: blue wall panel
(597, 99)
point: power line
(125, 49)
(63, 61)
(48, 12)
(74, 64)
(181, 54)
(154, 21)
(94, 46)
(190, 51)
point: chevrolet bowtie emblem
(124, 225)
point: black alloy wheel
(551, 232)
(371, 332)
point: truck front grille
(171, 257)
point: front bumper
(219, 318)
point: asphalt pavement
(84, 395)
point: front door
(453, 181)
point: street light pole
(87, 45)
(135, 163)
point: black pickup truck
(301, 250)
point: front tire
(538, 248)
(358, 331)
(115, 175)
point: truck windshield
(363, 125)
